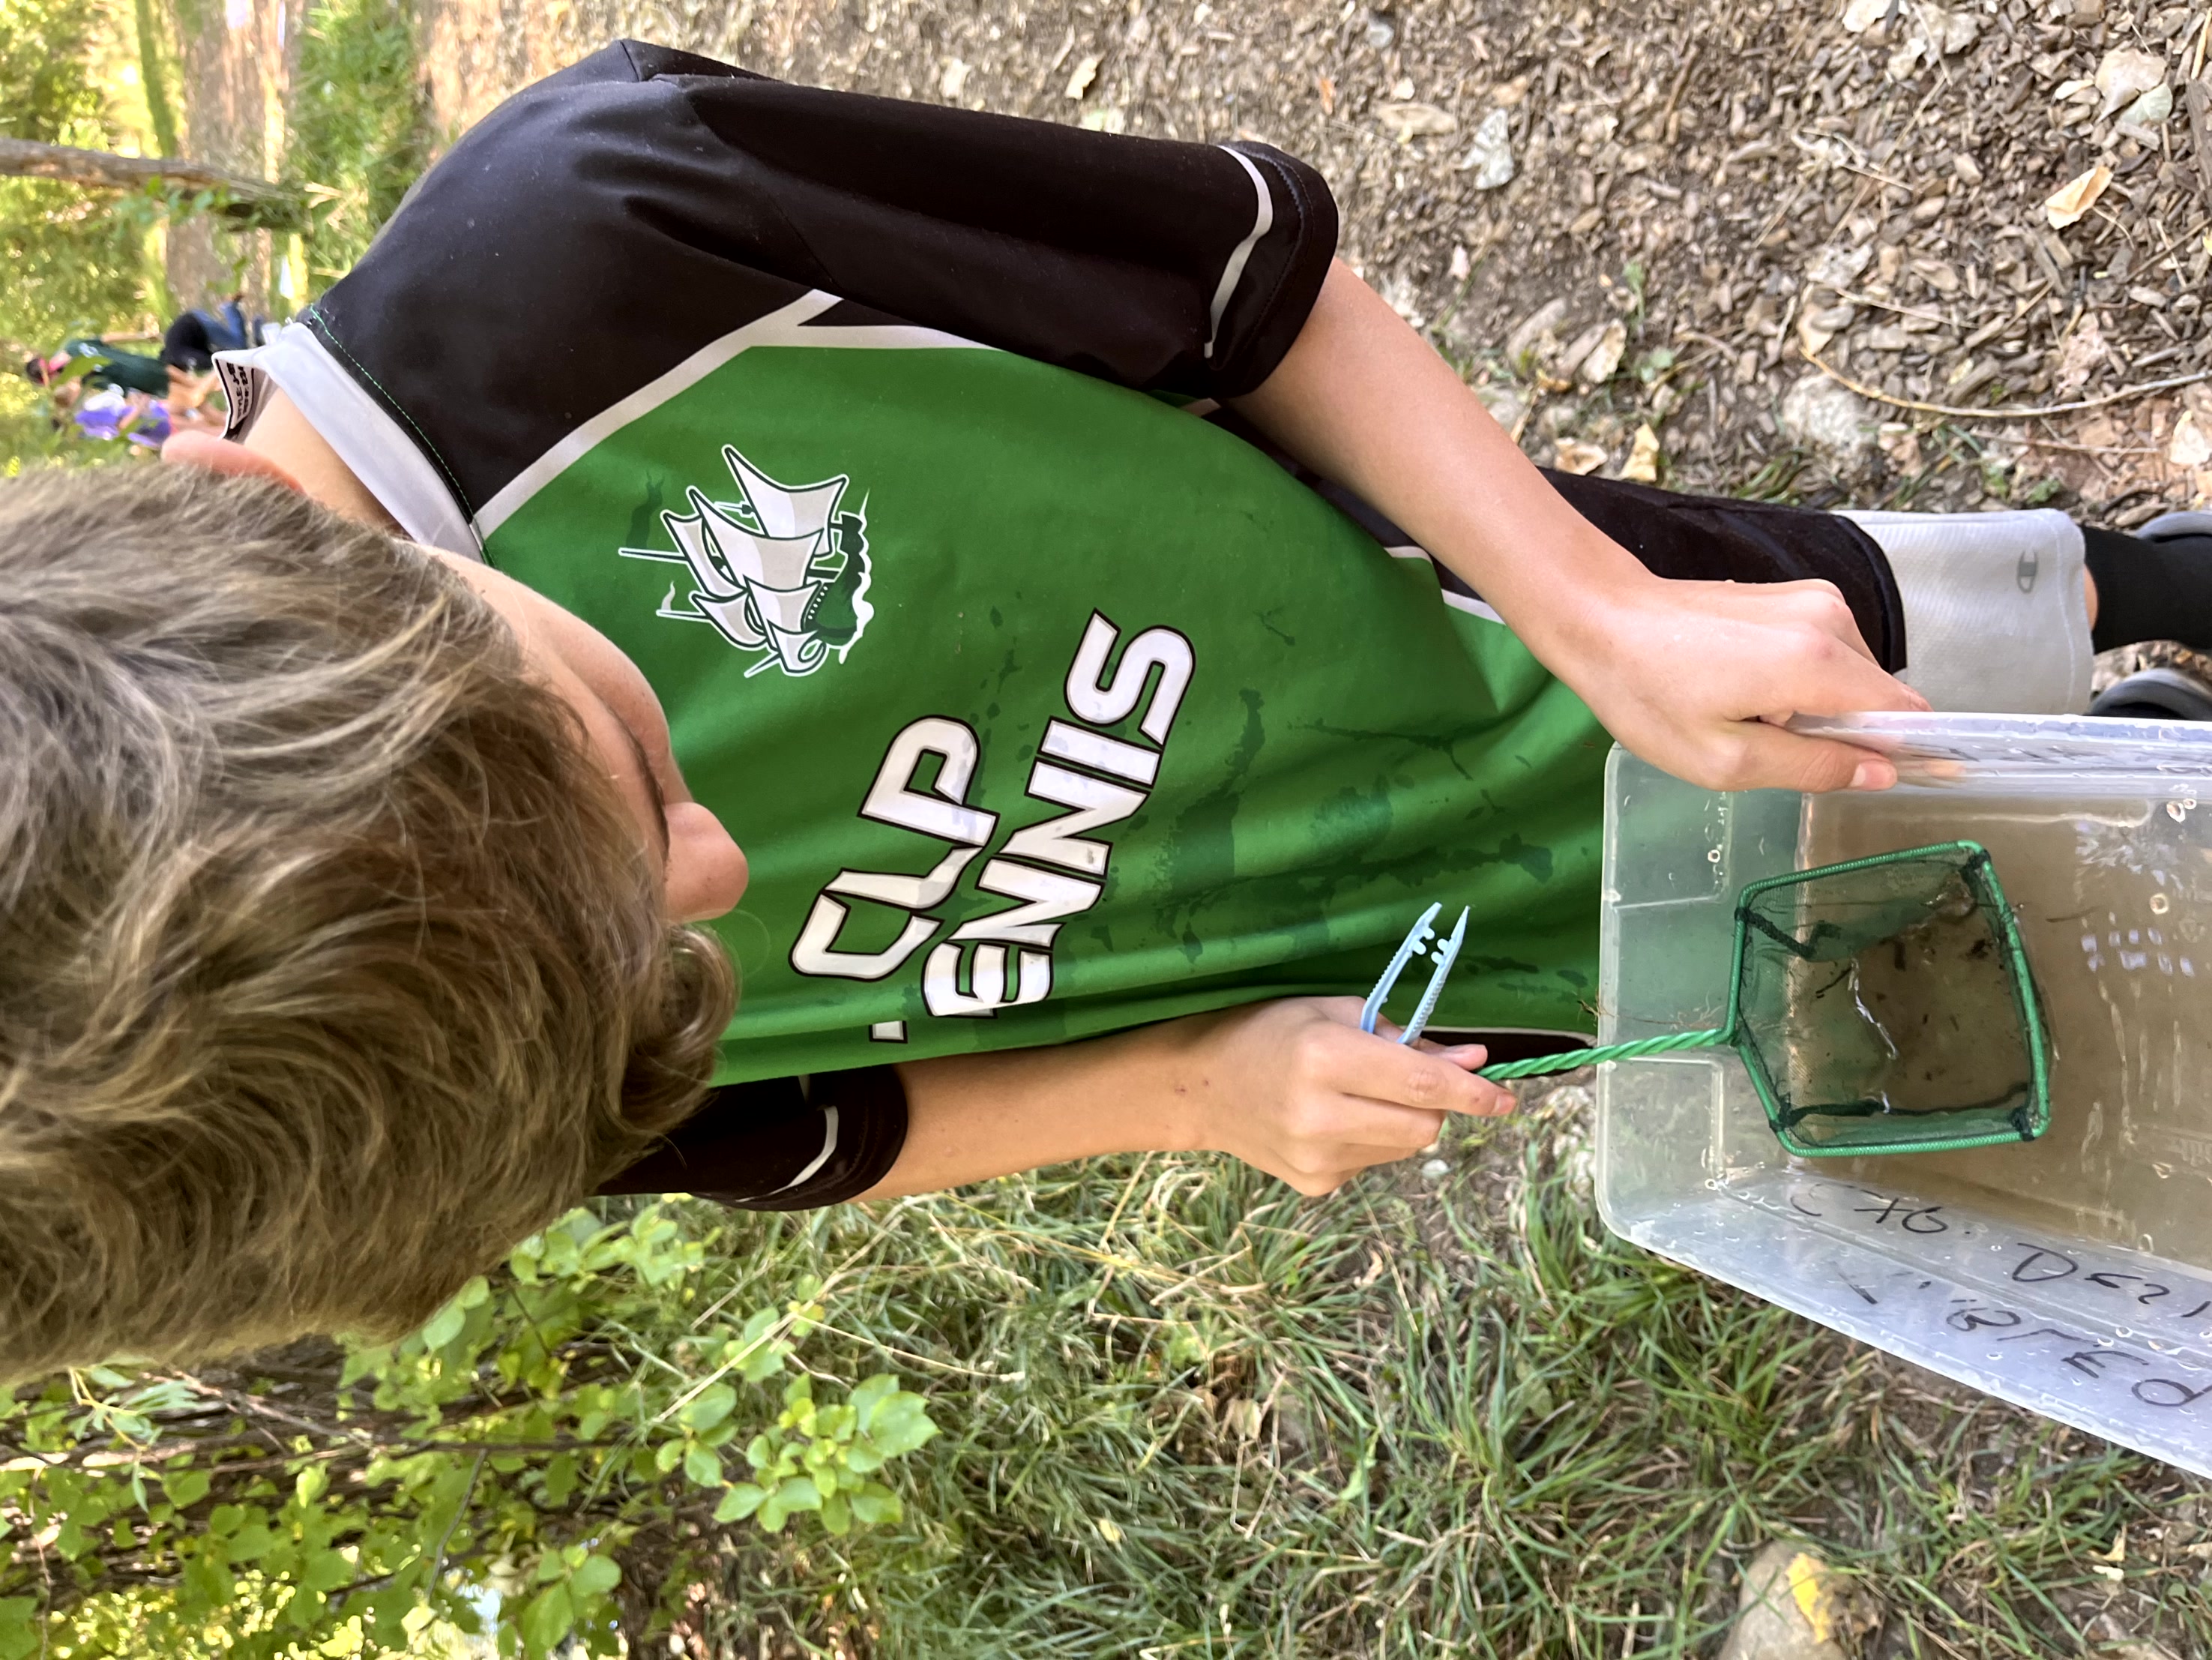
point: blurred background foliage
(105, 74)
(76, 263)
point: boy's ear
(213, 454)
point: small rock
(1086, 71)
(1490, 158)
(954, 78)
(1642, 466)
(1579, 348)
(1380, 35)
(1816, 328)
(2191, 443)
(1950, 32)
(1406, 122)
(1520, 344)
(1860, 16)
(1567, 1100)
(1838, 268)
(1603, 361)
(1788, 1609)
(1572, 456)
(1435, 1170)
(2080, 353)
(1831, 420)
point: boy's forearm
(970, 1117)
(1292, 1086)
(1363, 400)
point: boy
(779, 462)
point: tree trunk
(98, 170)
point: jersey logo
(781, 571)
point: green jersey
(1042, 707)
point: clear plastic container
(2072, 1276)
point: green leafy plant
(485, 1473)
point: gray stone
(1490, 158)
(1520, 344)
(1786, 1609)
(1832, 420)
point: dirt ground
(1735, 185)
(1738, 187)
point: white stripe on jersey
(359, 429)
(1466, 602)
(783, 327)
(828, 1147)
(1233, 272)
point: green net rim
(1971, 856)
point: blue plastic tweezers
(1417, 943)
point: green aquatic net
(1883, 1004)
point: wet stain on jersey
(1536, 861)
(1202, 844)
(1499, 964)
(1437, 743)
(645, 518)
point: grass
(1189, 1413)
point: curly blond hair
(329, 968)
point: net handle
(1541, 1065)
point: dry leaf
(1085, 73)
(1572, 455)
(1643, 464)
(2070, 201)
(1406, 122)
(2191, 445)
(2124, 76)
(2151, 110)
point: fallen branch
(1960, 412)
(22, 158)
(241, 196)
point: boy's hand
(1694, 677)
(1698, 678)
(1295, 1089)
